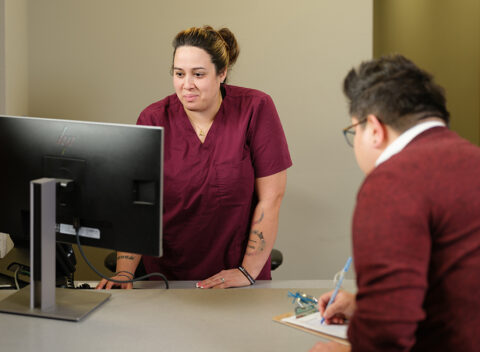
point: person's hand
(106, 284)
(330, 347)
(225, 279)
(340, 310)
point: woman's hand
(340, 310)
(126, 265)
(225, 279)
(106, 284)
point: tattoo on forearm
(255, 222)
(128, 257)
(252, 249)
(260, 236)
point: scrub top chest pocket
(234, 182)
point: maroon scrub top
(209, 195)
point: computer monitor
(108, 182)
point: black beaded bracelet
(247, 275)
(124, 271)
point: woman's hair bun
(232, 46)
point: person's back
(433, 191)
(451, 304)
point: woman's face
(195, 80)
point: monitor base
(70, 304)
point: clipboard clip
(303, 304)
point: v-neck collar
(190, 129)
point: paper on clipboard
(313, 322)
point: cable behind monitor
(77, 235)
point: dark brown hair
(395, 90)
(221, 45)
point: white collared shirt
(406, 137)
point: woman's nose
(188, 83)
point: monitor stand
(41, 298)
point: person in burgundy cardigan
(416, 227)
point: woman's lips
(190, 97)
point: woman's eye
(199, 74)
(179, 74)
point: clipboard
(279, 318)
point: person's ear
(378, 132)
(223, 75)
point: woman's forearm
(127, 262)
(263, 233)
(264, 227)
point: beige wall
(105, 60)
(443, 37)
(13, 57)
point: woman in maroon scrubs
(225, 162)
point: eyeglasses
(349, 132)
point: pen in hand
(338, 285)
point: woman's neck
(207, 116)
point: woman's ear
(223, 75)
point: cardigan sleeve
(391, 241)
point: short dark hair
(221, 45)
(395, 90)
